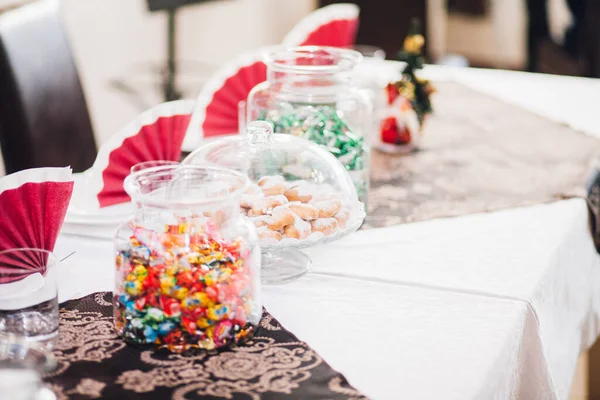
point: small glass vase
(188, 265)
(29, 295)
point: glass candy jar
(187, 263)
(309, 93)
(300, 195)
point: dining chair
(44, 119)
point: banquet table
(482, 306)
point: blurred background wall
(495, 37)
(120, 47)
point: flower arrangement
(408, 99)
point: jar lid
(299, 188)
(184, 186)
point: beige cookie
(300, 229)
(273, 185)
(248, 200)
(325, 225)
(259, 221)
(217, 216)
(305, 211)
(265, 233)
(266, 205)
(342, 217)
(267, 181)
(280, 218)
(274, 190)
(253, 189)
(328, 208)
(299, 192)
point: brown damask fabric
(479, 154)
(93, 363)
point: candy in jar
(187, 265)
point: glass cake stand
(282, 261)
(292, 178)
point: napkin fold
(217, 112)
(334, 25)
(33, 204)
(156, 134)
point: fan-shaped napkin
(216, 111)
(157, 134)
(33, 204)
(335, 25)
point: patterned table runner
(479, 154)
(94, 363)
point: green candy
(321, 125)
(324, 126)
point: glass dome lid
(300, 193)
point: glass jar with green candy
(309, 93)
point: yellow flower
(407, 89)
(414, 43)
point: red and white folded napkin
(156, 134)
(33, 204)
(217, 106)
(335, 25)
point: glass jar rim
(132, 185)
(342, 59)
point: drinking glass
(22, 365)
(29, 295)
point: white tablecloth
(399, 342)
(497, 304)
(390, 340)
(542, 255)
(486, 306)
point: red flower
(389, 130)
(404, 135)
(391, 133)
(392, 92)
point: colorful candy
(182, 289)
